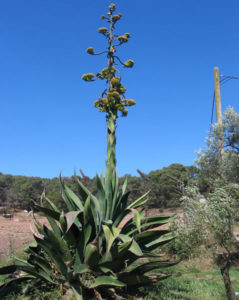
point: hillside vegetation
(165, 187)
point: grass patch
(190, 280)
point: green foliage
(212, 167)
(21, 191)
(210, 224)
(167, 184)
(96, 245)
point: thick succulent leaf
(8, 269)
(81, 268)
(148, 236)
(71, 218)
(10, 286)
(81, 190)
(35, 271)
(149, 254)
(57, 243)
(71, 195)
(63, 223)
(121, 203)
(101, 197)
(135, 249)
(122, 248)
(115, 199)
(141, 269)
(41, 262)
(136, 219)
(120, 214)
(69, 203)
(95, 210)
(130, 230)
(110, 235)
(84, 192)
(108, 197)
(54, 226)
(77, 291)
(140, 201)
(124, 186)
(57, 257)
(87, 234)
(53, 206)
(159, 242)
(91, 255)
(158, 218)
(48, 212)
(106, 281)
(140, 280)
(77, 261)
(88, 218)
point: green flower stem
(112, 116)
(111, 144)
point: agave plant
(102, 247)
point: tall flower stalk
(112, 100)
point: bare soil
(16, 233)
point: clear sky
(48, 121)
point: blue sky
(48, 121)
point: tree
(213, 222)
(167, 185)
(226, 169)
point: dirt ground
(15, 233)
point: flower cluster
(112, 100)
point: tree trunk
(224, 263)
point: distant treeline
(165, 185)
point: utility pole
(217, 91)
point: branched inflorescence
(112, 99)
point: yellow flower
(90, 50)
(122, 89)
(88, 77)
(131, 102)
(116, 18)
(122, 39)
(102, 30)
(129, 63)
(125, 112)
(112, 7)
(96, 103)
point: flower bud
(88, 77)
(102, 30)
(131, 102)
(122, 39)
(129, 63)
(116, 18)
(125, 112)
(90, 50)
(112, 7)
